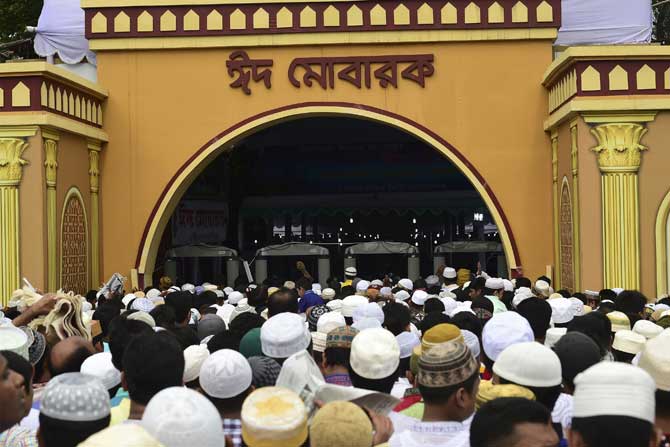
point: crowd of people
(453, 359)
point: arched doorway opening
(331, 174)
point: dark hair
(495, 422)
(593, 326)
(303, 283)
(61, 433)
(630, 302)
(337, 356)
(230, 404)
(613, 431)
(92, 296)
(580, 296)
(121, 331)
(544, 278)
(396, 317)
(481, 302)
(478, 283)
(522, 281)
(607, 294)
(665, 301)
(439, 395)
(164, 316)
(623, 357)
(185, 336)
(258, 296)
(565, 293)
(206, 298)
(283, 300)
(151, 363)
(469, 322)
(181, 303)
(223, 340)
(662, 402)
(245, 322)
(605, 308)
(538, 314)
(433, 305)
(20, 366)
(432, 319)
(106, 311)
(383, 385)
(420, 284)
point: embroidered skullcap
(75, 397)
(188, 288)
(553, 335)
(401, 295)
(375, 354)
(329, 321)
(350, 303)
(369, 310)
(494, 284)
(619, 320)
(340, 423)
(406, 284)
(341, 337)
(366, 323)
(225, 374)
(37, 344)
(328, 294)
(407, 341)
(446, 364)
(472, 342)
(543, 288)
(143, 317)
(440, 333)
(126, 435)
(507, 285)
(274, 416)
(313, 315)
(235, 297)
(350, 271)
(449, 273)
(335, 306)
(15, 340)
(488, 392)
(655, 359)
(264, 371)
(615, 389)
(419, 297)
(131, 296)
(319, 341)
(628, 342)
(647, 328)
(284, 334)
(529, 364)
(100, 365)
(179, 416)
(561, 310)
(194, 357)
(362, 286)
(502, 330)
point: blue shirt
(309, 299)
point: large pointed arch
(174, 190)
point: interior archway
(227, 141)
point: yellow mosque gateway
(563, 151)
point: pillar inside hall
(51, 138)
(619, 153)
(12, 146)
(94, 148)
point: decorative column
(576, 254)
(619, 155)
(51, 165)
(554, 188)
(94, 148)
(11, 171)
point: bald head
(68, 354)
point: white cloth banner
(589, 22)
(60, 29)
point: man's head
(597, 327)
(225, 378)
(655, 359)
(477, 287)
(338, 347)
(630, 302)
(283, 300)
(181, 303)
(68, 354)
(538, 314)
(284, 335)
(21, 366)
(303, 285)
(74, 406)
(121, 331)
(512, 422)
(12, 396)
(374, 360)
(577, 353)
(151, 363)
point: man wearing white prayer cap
(235, 298)
(543, 289)
(374, 361)
(655, 360)
(274, 416)
(562, 311)
(225, 378)
(329, 321)
(521, 294)
(335, 306)
(73, 407)
(494, 289)
(328, 294)
(450, 279)
(647, 329)
(283, 335)
(188, 288)
(614, 406)
(100, 365)
(386, 292)
(626, 345)
(362, 287)
(349, 304)
(180, 417)
(349, 275)
(406, 284)
(194, 357)
(502, 330)
(401, 295)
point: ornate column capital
(94, 170)
(50, 161)
(619, 146)
(11, 163)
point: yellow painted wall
(485, 99)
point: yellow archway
(662, 246)
(146, 256)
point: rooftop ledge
(25, 68)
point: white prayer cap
(224, 312)
(242, 307)
(419, 297)
(188, 288)
(350, 303)
(561, 310)
(406, 342)
(131, 296)
(225, 374)
(228, 290)
(350, 271)
(219, 293)
(543, 288)
(152, 293)
(179, 417)
(661, 307)
(553, 335)
(647, 328)
(100, 365)
(362, 286)
(617, 290)
(465, 306)
(86, 307)
(507, 285)
(614, 389)
(447, 294)
(619, 320)
(472, 343)
(377, 282)
(655, 359)
(449, 273)
(143, 304)
(235, 298)
(329, 321)
(577, 307)
(449, 304)
(401, 295)
(334, 305)
(274, 416)
(502, 330)
(375, 354)
(328, 294)
(75, 397)
(386, 292)
(369, 310)
(284, 334)
(194, 357)
(628, 342)
(15, 340)
(316, 288)
(366, 323)
(319, 341)
(495, 284)
(522, 294)
(126, 435)
(208, 287)
(406, 284)
(529, 364)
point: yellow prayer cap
(434, 336)
(488, 391)
(340, 423)
(463, 276)
(619, 320)
(273, 416)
